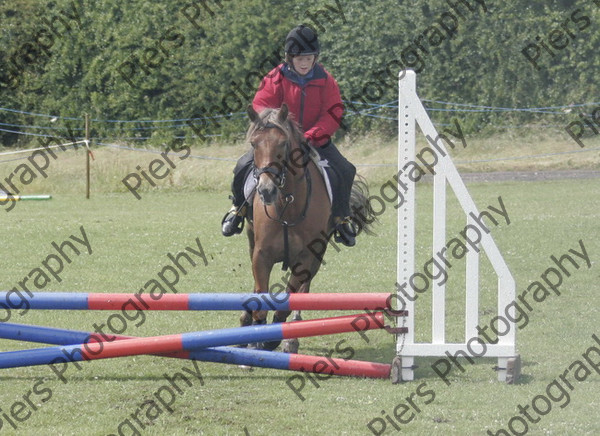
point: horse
(291, 218)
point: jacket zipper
(302, 95)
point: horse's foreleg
(299, 284)
(295, 284)
(261, 268)
(246, 315)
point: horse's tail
(361, 211)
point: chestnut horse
(291, 219)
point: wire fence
(171, 128)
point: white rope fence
(46, 148)
(27, 150)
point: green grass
(536, 149)
(130, 240)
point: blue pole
(94, 347)
(229, 355)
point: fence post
(87, 161)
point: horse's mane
(269, 118)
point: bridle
(270, 169)
(288, 198)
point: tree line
(199, 62)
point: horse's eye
(253, 144)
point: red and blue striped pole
(229, 355)
(97, 349)
(215, 301)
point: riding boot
(233, 221)
(345, 233)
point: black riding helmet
(302, 40)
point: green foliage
(141, 60)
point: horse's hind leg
(278, 316)
(292, 345)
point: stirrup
(233, 221)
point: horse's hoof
(245, 319)
(291, 346)
(266, 346)
(277, 318)
(256, 346)
(270, 346)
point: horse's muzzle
(267, 192)
(267, 186)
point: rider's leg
(341, 192)
(232, 222)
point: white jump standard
(410, 113)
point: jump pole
(229, 355)
(191, 341)
(218, 301)
(11, 197)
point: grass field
(209, 166)
(130, 239)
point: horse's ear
(283, 113)
(252, 114)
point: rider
(313, 96)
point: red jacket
(315, 101)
